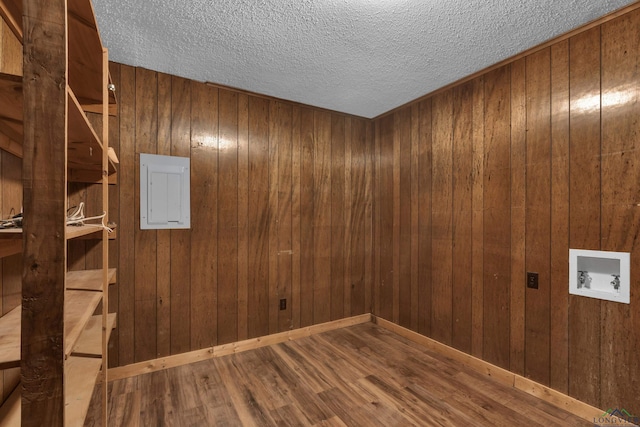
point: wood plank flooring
(361, 375)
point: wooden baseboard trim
(568, 403)
(231, 348)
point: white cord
(78, 214)
(76, 217)
(82, 219)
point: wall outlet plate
(532, 280)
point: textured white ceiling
(362, 57)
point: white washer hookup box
(600, 274)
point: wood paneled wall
(281, 209)
(501, 175)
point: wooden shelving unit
(84, 287)
(69, 150)
(83, 146)
(80, 379)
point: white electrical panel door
(164, 192)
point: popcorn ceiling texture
(362, 57)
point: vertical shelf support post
(44, 193)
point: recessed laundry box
(599, 274)
(164, 192)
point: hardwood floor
(362, 375)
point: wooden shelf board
(97, 108)
(81, 231)
(11, 233)
(73, 232)
(88, 280)
(10, 339)
(97, 235)
(78, 308)
(80, 380)
(90, 342)
(10, 415)
(10, 247)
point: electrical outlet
(532, 280)
(283, 304)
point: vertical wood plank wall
(281, 209)
(513, 168)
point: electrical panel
(164, 192)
